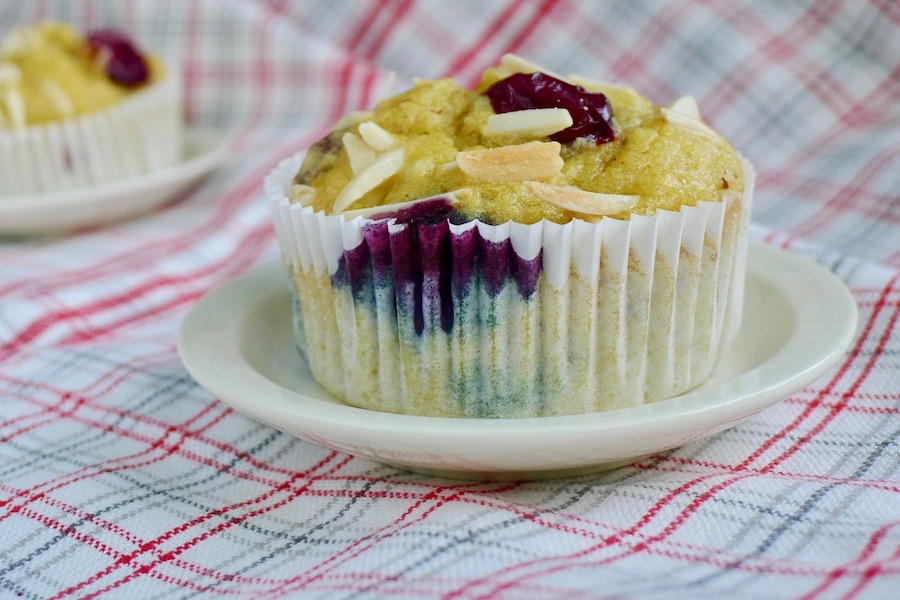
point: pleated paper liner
(138, 135)
(475, 320)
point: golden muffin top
(49, 72)
(526, 145)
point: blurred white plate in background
(110, 202)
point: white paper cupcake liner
(138, 135)
(513, 320)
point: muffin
(541, 245)
(82, 110)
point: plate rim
(204, 149)
(663, 415)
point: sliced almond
(447, 166)
(15, 108)
(451, 197)
(102, 58)
(594, 85)
(512, 63)
(9, 73)
(387, 86)
(16, 43)
(384, 167)
(687, 106)
(302, 194)
(680, 119)
(351, 119)
(580, 201)
(532, 160)
(360, 154)
(58, 97)
(535, 122)
(377, 137)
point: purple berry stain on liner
(125, 65)
(494, 264)
(407, 274)
(427, 211)
(590, 111)
(358, 268)
(378, 239)
(526, 273)
(435, 259)
(464, 249)
(430, 268)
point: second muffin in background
(77, 111)
(542, 245)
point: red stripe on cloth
(457, 491)
(194, 434)
(137, 261)
(849, 408)
(526, 570)
(635, 61)
(519, 39)
(40, 9)
(39, 491)
(369, 79)
(366, 542)
(855, 197)
(300, 584)
(817, 478)
(39, 326)
(189, 63)
(867, 577)
(623, 64)
(47, 417)
(867, 111)
(344, 74)
(119, 554)
(785, 50)
(491, 30)
(69, 531)
(374, 578)
(179, 450)
(889, 8)
(846, 196)
(357, 35)
(584, 525)
(395, 19)
(247, 252)
(261, 76)
(839, 572)
(147, 547)
(103, 385)
(47, 321)
(698, 552)
(851, 391)
(842, 371)
(246, 188)
(75, 511)
(92, 518)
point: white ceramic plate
(237, 343)
(103, 204)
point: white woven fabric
(120, 477)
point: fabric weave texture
(121, 477)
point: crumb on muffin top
(558, 148)
(49, 72)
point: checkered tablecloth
(121, 477)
